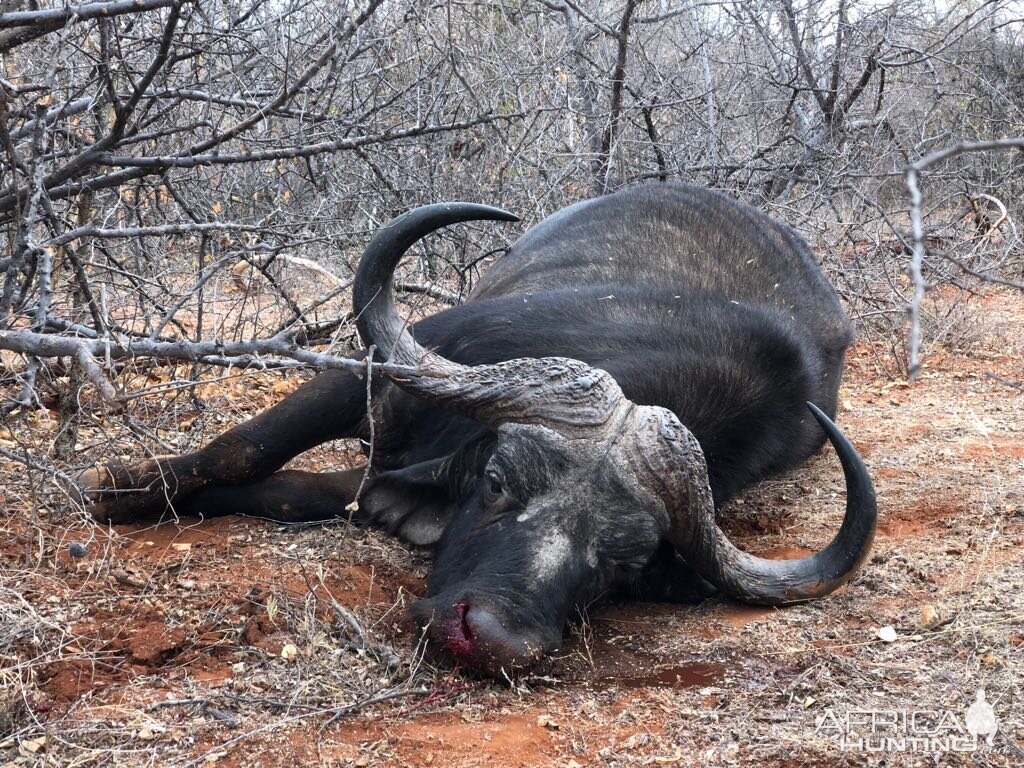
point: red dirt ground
(217, 642)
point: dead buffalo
(630, 364)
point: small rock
(289, 651)
(77, 550)
(887, 634)
(636, 741)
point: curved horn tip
(845, 449)
(819, 414)
(483, 211)
(372, 301)
(761, 581)
(502, 215)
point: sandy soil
(232, 641)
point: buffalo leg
(406, 503)
(330, 406)
(287, 496)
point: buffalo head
(579, 489)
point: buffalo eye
(493, 489)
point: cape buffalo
(630, 364)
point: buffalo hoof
(119, 492)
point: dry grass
(239, 642)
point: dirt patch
(739, 616)
(67, 681)
(231, 641)
(154, 643)
(512, 740)
(917, 519)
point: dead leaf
(29, 747)
(282, 387)
(929, 616)
(547, 721)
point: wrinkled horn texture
(565, 395)
(673, 466)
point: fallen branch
(1005, 382)
(335, 712)
(433, 291)
(279, 351)
(63, 478)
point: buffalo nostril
(479, 637)
(456, 633)
(494, 645)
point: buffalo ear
(667, 578)
(417, 502)
(412, 503)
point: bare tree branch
(915, 268)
